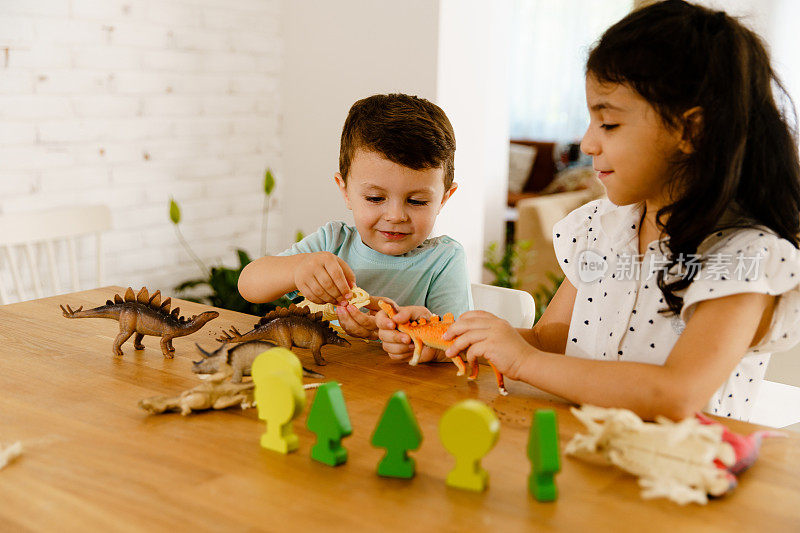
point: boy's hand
(398, 345)
(357, 324)
(482, 334)
(324, 278)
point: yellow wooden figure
(277, 359)
(279, 396)
(468, 431)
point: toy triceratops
(238, 357)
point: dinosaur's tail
(198, 321)
(387, 308)
(308, 373)
(105, 311)
(234, 336)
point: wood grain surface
(92, 460)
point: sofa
(536, 218)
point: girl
(681, 283)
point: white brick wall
(129, 102)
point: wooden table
(92, 460)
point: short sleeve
(328, 238)
(571, 236)
(450, 290)
(751, 260)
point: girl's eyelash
(417, 202)
(374, 199)
(608, 126)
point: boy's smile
(394, 206)
(394, 235)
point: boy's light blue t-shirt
(433, 275)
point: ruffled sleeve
(572, 235)
(751, 260)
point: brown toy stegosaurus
(292, 326)
(429, 333)
(143, 314)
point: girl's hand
(358, 324)
(482, 334)
(324, 278)
(398, 345)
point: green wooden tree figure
(543, 453)
(329, 420)
(398, 432)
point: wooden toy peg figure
(469, 430)
(279, 397)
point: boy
(395, 175)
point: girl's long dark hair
(678, 56)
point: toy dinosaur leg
(500, 382)
(137, 341)
(166, 347)
(120, 340)
(316, 351)
(228, 401)
(417, 351)
(474, 368)
(283, 337)
(459, 364)
(197, 401)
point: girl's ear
(342, 189)
(447, 196)
(692, 126)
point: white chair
(31, 234)
(518, 307)
(777, 405)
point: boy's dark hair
(678, 56)
(407, 130)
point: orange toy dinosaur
(429, 333)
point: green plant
(544, 294)
(223, 283)
(175, 217)
(269, 186)
(506, 270)
(506, 267)
(221, 280)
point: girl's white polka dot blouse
(616, 318)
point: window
(549, 44)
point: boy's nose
(589, 144)
(395, 212)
